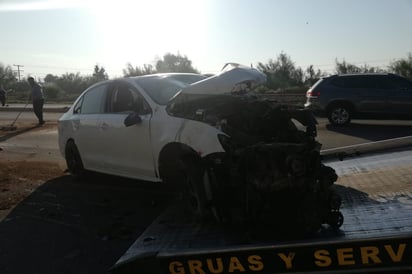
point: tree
(312, 76)
(71, 85)
(51, 91)
(74, 83)
(6, 75)
(138, 71)
(99, 73)
(345, 68)
(175, 63)
(402, 67)
(50, 78)
(282, 73)
(369, 69)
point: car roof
(160, 75)
(363, 74)
(155, 75)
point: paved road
(7, 117)
(29, 107)
(359, 131)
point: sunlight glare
(138, 31)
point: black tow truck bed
(376, 190)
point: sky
(59, 36)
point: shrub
(52, 91)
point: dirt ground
(18, 179)
(55, 224)
(21, 172)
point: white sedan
(123, 127)
(233, 153)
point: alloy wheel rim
(340, 115)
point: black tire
(73, 160)
(335, 219)
(340, 115)
(194, 190)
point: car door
(401, 95)
(127, 150)
(84, 123)
(373, 97)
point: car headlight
(225, 141)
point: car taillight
(313, 93)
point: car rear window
(317, 83)
(361, 82)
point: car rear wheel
(73, 159)
(339, 115)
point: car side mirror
(132, 119)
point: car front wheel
(73, 159)
(339, 115)
(194, 190)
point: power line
(54, 67)
(18, 69)
(67, 69)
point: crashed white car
(236, 155)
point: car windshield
(162, 88)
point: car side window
(125, 99)
(400, 83)
(362, 82)
(338, 82)
(383, 82)
(78, 106)
(92, 101)
(352, 82)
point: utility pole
(18, 70)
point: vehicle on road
(347, 96)
(230, 150)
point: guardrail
(342, 152)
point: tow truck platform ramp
(376, 236)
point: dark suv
(343, 97)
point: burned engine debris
(271, 172)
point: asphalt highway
(358, 132)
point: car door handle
(104, 126)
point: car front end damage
(270, 174)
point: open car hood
(232, 78)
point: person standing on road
(3, 93)
(37, 99)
